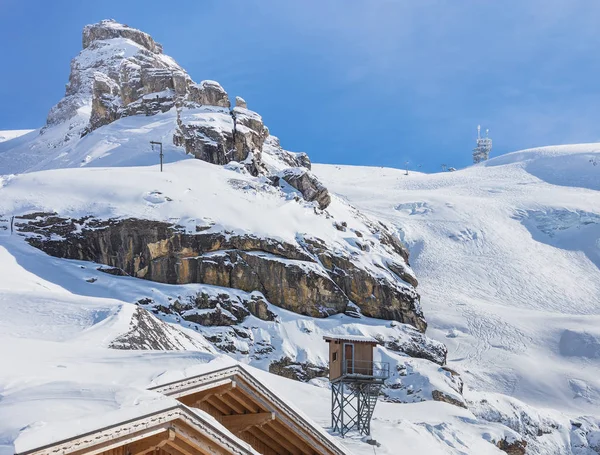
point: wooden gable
(252, 413)
(173, 431)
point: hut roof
(351, 338)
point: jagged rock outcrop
(217, 310)
(273, 148)
(219, 136)
(119, 66)
(309, 186)
(299, 371)
(147, 332)
(123, 72)
(417, 345)
(367, 290)
(240, 102)
(306, 278)
(209, 93)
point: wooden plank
(184, 448)
(233, 404)
(257, 444)
(270, 442)
(238, 423)
(306, 447)
(198, 397)
(209, 408)
(123, 440)
(239, 395)
(254, 396)
(168, 448)
(202, 444)
(193, 390)
(218, 404)
(148, 445)
(282, 438)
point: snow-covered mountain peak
(109, 29)
(117, 66)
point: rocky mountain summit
(123, 72)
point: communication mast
(484, 147)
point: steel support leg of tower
(352, 406)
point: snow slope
(7, 135)
(507, 255)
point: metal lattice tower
(484, 147)
(352, 405)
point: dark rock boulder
(416, 344)
(209, 93)
(240, 102)
(308, 185)
(299, 371)
(146, 332)
(516, 447)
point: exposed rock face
(516, 447)
(310, 187)
(219, 136)
(209, 93)
(240, 102)
(118, 66)
(215, 310)
(366, 290)
(416, 344)
(288, 275)
(299, 371)
(147, 332)
(441, 396)
(272, 147)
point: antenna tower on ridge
(484, 146)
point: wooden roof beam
(172, 450)
(233, 404)
(282, 439)
(196, 398)
(218, 404)
(239, 395)
(242, 422)
(184, 448)
(147, 445)
(304, 446)
(187, 441)
(273, 444)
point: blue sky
(355, 82)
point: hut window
(334, 356)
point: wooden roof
(351, 339)
(173, 431)
(252, 412)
